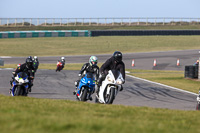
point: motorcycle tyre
(111, 97)
(18, 91)
(84, 95)
(198, 106)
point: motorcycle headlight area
(198, 99)
(119, 82)
(110, 79)
(21, 81)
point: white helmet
(93, 60)
(62, 58)
(35, 57)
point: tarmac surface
(60, 85)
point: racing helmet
(63, 59)
(93, 60)
(35, 58)
(30, 57)
(29, 62)
(18, 65)
(117, 56)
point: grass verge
(58, 46)
(171, 78)
(74, 66)
(25, 114)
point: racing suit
(111, 64)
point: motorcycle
(60, 66)
(198, 102)
(109, 88)
(86, 87)
(20, 85)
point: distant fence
(12, 22)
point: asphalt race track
(60, 85)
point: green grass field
(25, 114)
(94, 45)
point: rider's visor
(94, 63)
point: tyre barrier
(143, 32)
(55, 33)
(191, 72)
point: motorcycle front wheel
(18, 91)
(84, 94)
(198, 106)
(109, 98)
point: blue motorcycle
(86, 87)
(20, 85)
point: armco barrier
(143, 32)
(56, 33)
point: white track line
(6, 68)
(162, 85)
(5, 57)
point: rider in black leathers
(88, 67)
(28, 69)
(116, 63)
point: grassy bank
(95, 45)
(171, 78)
(25, 114)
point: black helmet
(29, 62)
(117, 56)
(30, 57)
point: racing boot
(97, 90)
(90, 98)
(74, 92)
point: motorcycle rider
(116, 63)
(62, 60)
(27, 67)
(35, 63)
(88, 67)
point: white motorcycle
(198, 102)
(110, 87)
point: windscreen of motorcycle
(115, 73)
(89, 75)
(22, 75)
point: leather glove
(13, 72)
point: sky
(99, 8)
